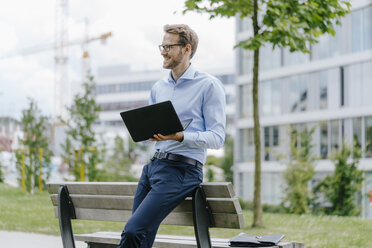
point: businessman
(176, 168)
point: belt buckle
(162, 155)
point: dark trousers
(163, 185)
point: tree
(283, 23)
(228, 159)
(299, 172)
(341, 187)
(81, 150)
(36, 145)
(117, 165)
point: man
(176, 168)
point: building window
(358, 84)
(324, 140)
(368, 128)
(270, 98)
(334, 135)
(271, 143)
(246, 145)
(323, 90)
(367, 21)
(357, 131)
(294, 58)
(111, 106)
(269, 58)
(357, 34)
(245, 61)
(298, 93)
(245, 101)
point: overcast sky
(137, 28)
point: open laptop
(143, 123)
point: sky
(137, 30)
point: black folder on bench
(245, 240)
(143, 123)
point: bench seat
(112, 239)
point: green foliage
(81, 147)
(1, 173)
(209, 174)
(293, 24)
(299, 172)
(228, 159)
(36, 143)
(268, 208)
(117, 165)
(341, 188)
(225, 162)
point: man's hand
(176, 136)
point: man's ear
(188, 48)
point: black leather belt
(177, 158)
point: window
(367, 21)
(294, 58)
(368, 128)
(324, 140)
(358, 84)
(323, 90)
(269, 58)
(356, 20)
(334, 135)
(270, 97)
(357, 131)
(271, 143)
(298, 93)
(246, 145)
(245, 61)
(246, 104)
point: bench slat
(168, 241)
(96, 188)
(174, 218)
(218, 205)
(212, 190)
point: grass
(34, 213)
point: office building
(329, 88)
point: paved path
(32, 240)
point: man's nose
(163, 52)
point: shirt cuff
(188, 138)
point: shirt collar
(189, 74)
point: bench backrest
(111, 201)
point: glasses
(168, 47)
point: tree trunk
(257, 207)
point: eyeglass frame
(163, 47)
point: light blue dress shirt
(198, 96)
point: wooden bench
(211, 205)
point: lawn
(34, 213)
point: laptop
(142, 123)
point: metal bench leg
(203, 218)
(66, 212)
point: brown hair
(186, 34)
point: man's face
(175, 55)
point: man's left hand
(175, 136)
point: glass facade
(335, 95)
(354, 35)
(326, 140)
(319, 90)
(358, 82)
